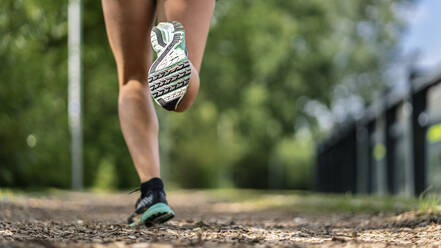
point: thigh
(128, 25)
(195, 15)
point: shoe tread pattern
(168, 85)
(170, 82)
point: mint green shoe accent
(168, 42)
(158, 213)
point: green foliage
(298, 173)
(106, 176)
(34, 141)
(264, 61)
(429, 203)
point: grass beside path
(301, 201)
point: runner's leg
(128, 24)
(195, 16)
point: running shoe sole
(157, 214)
(169, 75)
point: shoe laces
(134, 190)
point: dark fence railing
(394, 148)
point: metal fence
(394, 148)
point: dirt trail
(203, 220)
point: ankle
(154, 184)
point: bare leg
(195, 15)
(128, 24)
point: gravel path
(204, 219)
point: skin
(128, 25)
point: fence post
(418, 131)
(390, 149)
(362, 161)
(370, 169)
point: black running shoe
(151, 208)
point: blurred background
(278, 78)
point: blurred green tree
(265, 61)
(34, 141)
